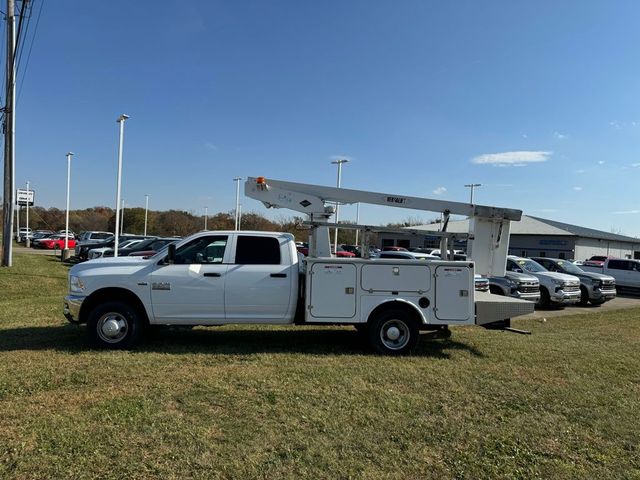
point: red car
(56, 243)
(394, 249)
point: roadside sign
(25, 197)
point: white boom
(488, 239)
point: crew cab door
(191, 290)
(260, 280)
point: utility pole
(206, 216)
(9, 140)
(472, 186)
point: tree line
(177, 222)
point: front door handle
(279, 275)
(212, 274)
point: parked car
(626, 272)
(56, 242)
(597, 260)
(516, 285)
(93, 235)
(99, 252)
(394, 249)
(40, 235)
(22, 234)
(596, 288)
(155, 247)
(556, 289)
(83, 248)
(64, 232)
(143, 248)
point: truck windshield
(531, 266)
(569, 267)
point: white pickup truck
(231, 277)
(625, 271)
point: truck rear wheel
(114, 325)
(393, 332)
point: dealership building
(533, 236)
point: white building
(534, 236)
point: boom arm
(488, 226)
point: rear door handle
(212, 274)
(279, 275)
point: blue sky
(538, 101)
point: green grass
(250, 402)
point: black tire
(494, 290)
(597, 303)
(392, 323)
(584, 297)
(114, 325)
(545, 299)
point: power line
(22, 38)
(33, 39)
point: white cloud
(511, 159)
(439, 190)
(635, 165)
(524, 135)
(577, 189)
(582, 170)
(626, 212)
(559, 136)
(600, 162)
(210, 146)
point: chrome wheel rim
(112, 327)
(394, 334)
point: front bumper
(532, 297)
(598, 295)
(565, 298)
(71, 307)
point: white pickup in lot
(216, 278)
(625, 271)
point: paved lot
(625, 300)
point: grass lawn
(253, 402)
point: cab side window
(618, 264)
(257, 250)
(202, 250)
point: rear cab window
(257, 250)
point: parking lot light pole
(121, 120)
(472, 186)
(335, 238)
(237, 221)
(146, 210)
(206, 216)
(65, 251)
(27, 240)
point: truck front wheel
(393, 332)
(114, 325)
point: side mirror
(171, 253)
